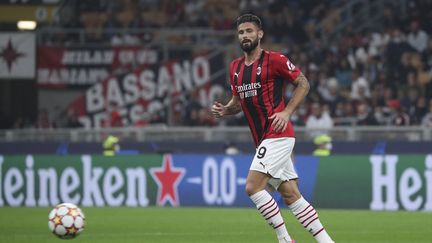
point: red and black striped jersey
(261, 88)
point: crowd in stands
(376, 76)
(372, 77)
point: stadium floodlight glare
(26, 25)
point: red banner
(149, 93)
(82, 67)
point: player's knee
(290, 197)
(250, 189)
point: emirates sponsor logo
(247, 87)
(248, 90)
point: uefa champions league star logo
(168, 178)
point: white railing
(208, 134)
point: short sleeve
(285, 68)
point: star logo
(72, 230)
(10, 55)
(168, 178)
(57, 220)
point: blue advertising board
(220, 180)
(162, 180)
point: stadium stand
(365, 67)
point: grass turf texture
(220, 225)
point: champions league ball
(66, 221)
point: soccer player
(258, 80)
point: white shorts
(273, 157)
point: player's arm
(231, 108)
(300, 91)
(280, 119)
(285, 69)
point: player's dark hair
(249, 18)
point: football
(66, 221)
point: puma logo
(236, 75)
(263, 165)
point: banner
(135, 181)
(17, 55)
(74, 67)
(85, 180)
(377, 182)
(149, 93)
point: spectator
(329, 90)
(427, 119)
(395, 49)
(344, 73)
(192, 110)
(421, 109)
(400, 117)
(427, 55)
(417, 38)
(319, 121)
(43, 120)
(72, 119)
(409, 103)
(359, 87)
(300, 115)
(365, 116)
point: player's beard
(249, 46)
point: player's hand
(218, 110)
(280, 121)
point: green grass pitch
(220, 225)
